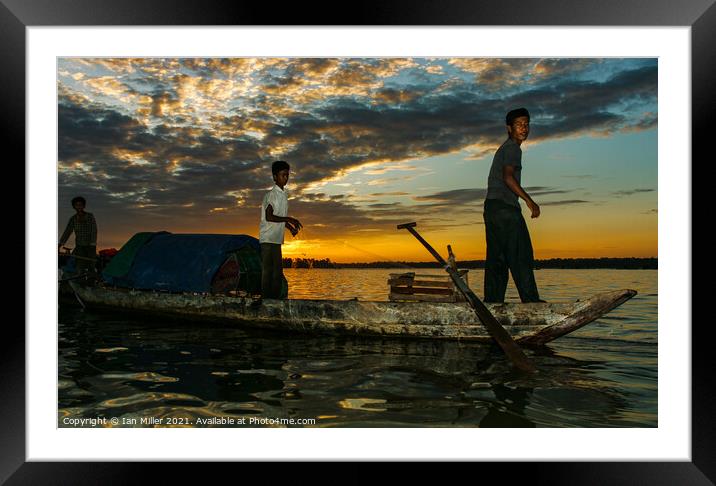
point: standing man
(85, 228)
(274, 221)
(508, 240)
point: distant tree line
(574, 263)
(308, 263)
(617, 263)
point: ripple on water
(146, 376)
(603, 375)
(480, 385)
(240, 408)
(149, 398)
(65, 384)
(367, 404)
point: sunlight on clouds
(498, 73)
(134, 158)
(117, 65)
(400, 166)
(187, 87)
(278, 150)
(320, 197)
(480, 150)
(342, 174)
(309, 81)
(495, 74)
(393, 96)
(174, 167)
(108, 86)
(382, 182)
(386, 68)
(74, 166)
(239, 196)
(189, 140)
(74, 97)
(314, 186)
(255, 134)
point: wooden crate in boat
(424, 288)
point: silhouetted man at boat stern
(508, 240)
(84, 226)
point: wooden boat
(529, 324)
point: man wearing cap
(509, 247)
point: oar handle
(82, 275)
(78, 257)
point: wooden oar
(81, 275)
(78, 257)
(498, 333)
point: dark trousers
(86, 252)
(271, 270)
(508, 248)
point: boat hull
(533, 324)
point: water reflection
(112, 366)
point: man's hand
(508, 176)
(534, 207)
(295, 223)
(291, 228)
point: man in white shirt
(274, 219)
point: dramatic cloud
(192, 140)
(565, 203)
(457, 196)
(631, 192)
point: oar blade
(494, 328)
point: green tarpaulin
(121, 263)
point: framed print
(155, 117)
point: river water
(148, 373)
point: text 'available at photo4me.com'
(183, 421)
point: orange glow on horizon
(559, 236)
(406, 248)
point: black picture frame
(16, 15)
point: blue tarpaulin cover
(181, 262)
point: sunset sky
(186, 145)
